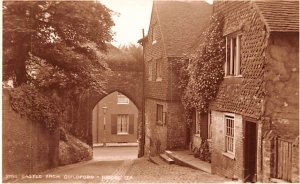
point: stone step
(167, 159)
(157, 160)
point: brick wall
(110, 102)
(27, 147)
(221, 163)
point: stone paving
(144, 171)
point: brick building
(174, 27)
(254, 120)
(120, 118)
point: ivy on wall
(29, 102)
(201, 74)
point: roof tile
(181, 23)
(280, 16)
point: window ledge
(233, 76)
(209, 140)
(122, 134)
(159, 79)
(123, 103)
(229, 155)
(197, 135)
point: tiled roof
(181, 23)
(280, 16)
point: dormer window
(233, 57)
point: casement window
(122, 123)
(233, 56)
(158, 70)
(159, 114)
(122, 99)
(229, 134)
(150, 74)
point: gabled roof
(181, 23)
(280, 16)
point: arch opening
(115, 119)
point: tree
(53, 46)
(56, 44)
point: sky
(134, 15)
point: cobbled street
(120, 165)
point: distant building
(174, 27)
(120, 120)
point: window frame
(119, 96)
(231, 134)
(158, 70)
(150, 71)
(159, 121)
(127, 124)
(232, 66)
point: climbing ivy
(201, 74)
(29, 102)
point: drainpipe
(142, 144)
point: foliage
(69, 37)
(204, 153)
(202, 73)
(53, 46)
(29, 102)
(127, 58)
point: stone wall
(177, 129)
(156, 134)
(129, 83)
(169, 135)
(281, 109)
(27, 147)
(282, 85)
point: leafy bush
(29, 102)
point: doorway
(250, 151)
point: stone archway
(129, 83)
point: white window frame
(122, 99)
(234, 61)
(150, 71)
(119, 129)
(229, 119)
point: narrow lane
(109, 164)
